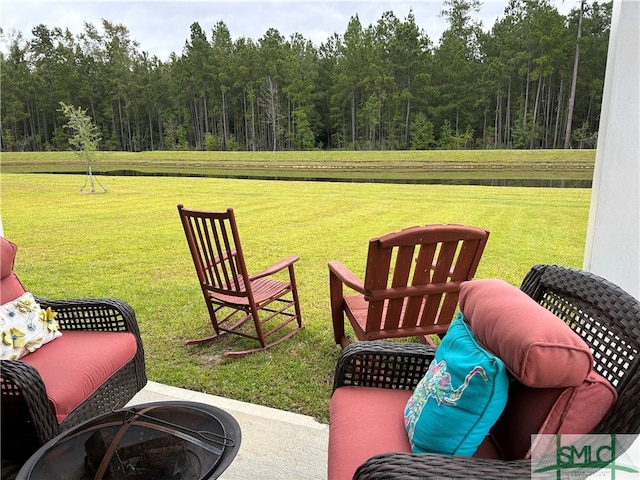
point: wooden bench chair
(411, 283)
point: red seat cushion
(367, 421)
(363, 422)
(78, 363)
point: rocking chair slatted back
(217, 255)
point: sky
(162, 26)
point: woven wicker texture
(605, 316)
(27, 418)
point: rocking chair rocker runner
(411, 283)
(232, 295)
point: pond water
(491, 182)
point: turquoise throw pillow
(459, 399)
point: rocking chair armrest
(432, 465)
(281, 265)
(383, 364)
(346, 276)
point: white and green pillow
(24, 327)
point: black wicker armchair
(28, 421)
(28, 418)
(595, 308)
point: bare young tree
(84, 139)
(270, 103)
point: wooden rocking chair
(411, 283)
(232, 295)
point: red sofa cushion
(530, 411)
(367, 421)
(363, 422)
(579, 409)
(78, 363)
(537, 347)
(10, 286)
(555, 389)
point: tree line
(534, 80)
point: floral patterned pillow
(24, 327)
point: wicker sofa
(49, 390)
(593, 307)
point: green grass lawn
(409, 165)
(129, 243)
